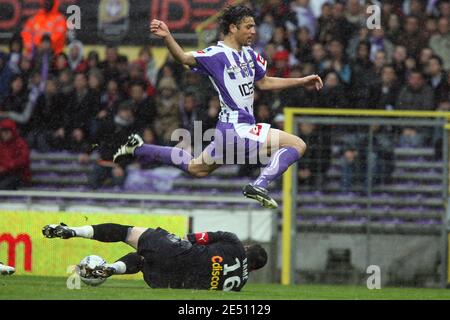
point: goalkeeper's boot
(261, 195)
(104, 271)
(58, 231)
(134, 141)
(6, 270)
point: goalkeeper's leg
(106, 232)
(128, 264)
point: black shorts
(158, 245)
(163, 253)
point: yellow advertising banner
(23, 246)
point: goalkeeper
(207, 260)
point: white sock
(84, 232)
(119, 266)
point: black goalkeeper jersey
(208, 260)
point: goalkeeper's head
(256, 256)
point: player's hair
(233, 15)
(257, 257)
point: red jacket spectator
(46, 21)
(14, 151)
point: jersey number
(234, 281)
(246, 89)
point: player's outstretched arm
(160, 29)
(274, 83)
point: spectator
(304, 17)
(315, 163)
(22, 115)
(15, 53)
(210, 117)
(15, 160)
(93, 60)
(81, 109)
(61, 63)
(193, 82)
(65, 82)
(399, 62)
(189, 111)
(304, 43)
(444, 9)
(319, 56)
(109, 65)
(325, 23)
(431, 28)
(341, 29)
(355, 13)
(5, 76)
(352, 164)
(385, 93)
(263, 114)
(424, 58)
(338, 61)
(109, 137)
(333, 93)
(17, 98)
(416, 95)
(437, 79)
(43, 58)
(49, 110)
(280, 66)
(412, 38)
(393, 29)
(110, 100)
(171, 68)
(265, 29)
(278, 8)
(76, 60)
(363, 76)
(378, 42)
(167, 110)
(136, 73)
(144, 107)
(441, 42)
(46, 21)
(148, 63)
(352, 48)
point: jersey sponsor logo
(204, 50)
(256, 130)
(246, 89)
(216, 270)
(261, 60)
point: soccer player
(207, 260)
(6, 270)
(234, 69)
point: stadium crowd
(72, 100)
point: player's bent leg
(129, 264)
(278, 139)
(133, 236)
(284, 149)
(203, 165)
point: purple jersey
(233, 74)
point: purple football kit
(237, 136)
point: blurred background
(371, 189)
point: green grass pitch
(52, 288)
